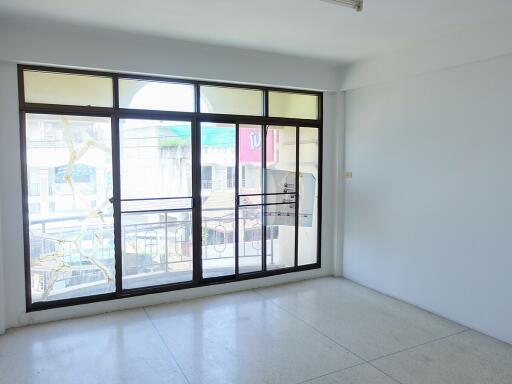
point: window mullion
(116, 200)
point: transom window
(140, 184)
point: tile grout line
(419, 345)
(384, 373)
(309, 325)
(370, 362)
(166, 346)
(346, 348)
(365, 361)
(332, 372)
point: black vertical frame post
(26, 221)
(116, 198)
(196, 199)
(264, 130)
(197, 237)
(116, 202)
(320, 179)
(297, 192)
(237, 192)
(24, 190)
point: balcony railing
(163, 246)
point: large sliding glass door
(156, 202)
(309, 195)
(140, 184)
(280, 196)
(249, 198)
(259, 195)
(218, 168)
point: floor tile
(466, 358)
(362, 374)
(245, 339)
(367, 323)
(122, 347)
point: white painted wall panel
(428, 213)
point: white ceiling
(310, 28)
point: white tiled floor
(324, 331)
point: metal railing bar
(158, 210)
(158, 198)
(265, 204)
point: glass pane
(250, 219)
(308, 195)
(280, 198)
(69, 168)
(233, 101)
(156, 177)
(156, 159)
(218, 147)
(157, 248)
(156, 95)
(250, 159)
(280, 177)
(280, 160)
(250, 239)
(138, 205)
(293, 105)
(67, 89)
(250, 200)
(280, 220)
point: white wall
(339, 184)
(33, 42)
(2, 286)
(10, 194)
(30, 41)
(481, 42)
(428, 213)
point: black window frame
(115, 113)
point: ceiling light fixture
(356, 4)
